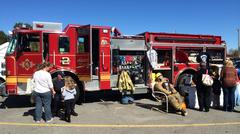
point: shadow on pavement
(90, 97)
(156, 107)
(16, 102)
(30, 112)
(109, 95)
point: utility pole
(238, 43)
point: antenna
(238, 43)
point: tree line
(3, 37)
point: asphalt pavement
(108, 116)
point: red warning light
(39, 25)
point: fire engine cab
(94, 56)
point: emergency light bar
(49, 26)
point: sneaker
(49, 120)
(37, 121)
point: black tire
(79, 99)
(181, 83)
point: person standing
(43, 91)
(229, 80)
(69, 92)
(203, 91)
(217, 85)
(57, 84)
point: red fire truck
(95, 55)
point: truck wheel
(183, 81)
(77, 96)
(187, 89)
(80, 94)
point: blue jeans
(43, 99)
(229, 98)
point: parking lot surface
(109, 116)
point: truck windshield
(11, 46)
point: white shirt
(68, 94)
(42, 81)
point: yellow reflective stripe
(84, 77)
(105, 76)
(15, 79)
(11, 80)
(22, 80)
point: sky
(211, 17)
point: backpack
(229, 77)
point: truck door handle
(103, 62)
(103, 58)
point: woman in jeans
(229, 79)
(42, 92)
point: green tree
(3, 37)
(233, 53)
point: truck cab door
(84, 51)
(29, 55)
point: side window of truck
(30, 42)
(82, 44)
(64, 45)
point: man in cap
(175, 99)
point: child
(69, 92)
(217, 85)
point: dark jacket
(58, 84)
